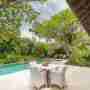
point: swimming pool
(12, 68)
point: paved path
(78, 78)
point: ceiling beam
(82, 11)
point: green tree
(12, 47)
(70, 38)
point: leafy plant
(71, 40)
(12, 47)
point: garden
(71, 41)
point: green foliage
(12, 48)
(69, 37)
(39, 50)
(64, 27)
(55, 26)
(80, 49)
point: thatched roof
(82, 10)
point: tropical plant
(70, 38)
(12, 47)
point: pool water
(12, 68)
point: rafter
(82, 10)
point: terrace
(48, 31)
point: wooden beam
(82, 10)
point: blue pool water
(11, 68)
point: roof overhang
(82, 11)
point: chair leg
(64, 77)
(35, 88)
